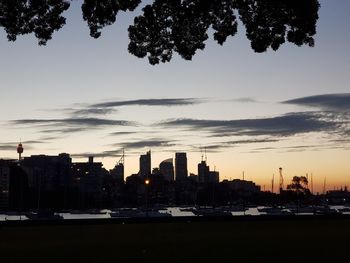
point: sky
(250, 112)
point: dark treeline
(168, 26)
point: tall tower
(19, 151)
(203, 172)
(145, 165)
(180, 166)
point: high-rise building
(166, 168)
(118, 172)
(180, 166)
(4, 184)
(145, 165)
(203, 172)
(205, 175)
(213, 177)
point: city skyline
(251, 112)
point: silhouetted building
(238, 185)
(52, 170)
(89, 177)
(117, 173)
(49, 179)
(166, 168)
(193, 177)
(180, 166)
(213, 177)
(145, 165)
(13, 186)
(203, 172)
(4, 184)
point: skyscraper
(145, 165)
(166, 168)
(180, 166)
(203, 172)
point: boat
(43, 215)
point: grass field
(227, 241)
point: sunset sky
(251, 112)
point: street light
(147, 181)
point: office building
(145, 165)
(166, 168)
(181, 166)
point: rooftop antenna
(201, 154)
(205, 152)
(243, 175)
(273, 182)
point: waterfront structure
(180, 166)
(89, 178)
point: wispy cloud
(74, 122)
(167, 102)
(104, 154)
(301, 148)
(109, 107)
(337, 102)
(92, 111)
(285, 125)
(221, 146)
(70, 125)
(11, 146)
(251, 141)
(64, 130)
(122, 133)
(130, 148)
(245, 100)
(148, 143)
(5, 147)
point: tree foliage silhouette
(41, 17)
(299, 185)
(168, 26)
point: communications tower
(20, 151)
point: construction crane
(273, 182)
(122, 159)
(281, 180)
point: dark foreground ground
(268, 240)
